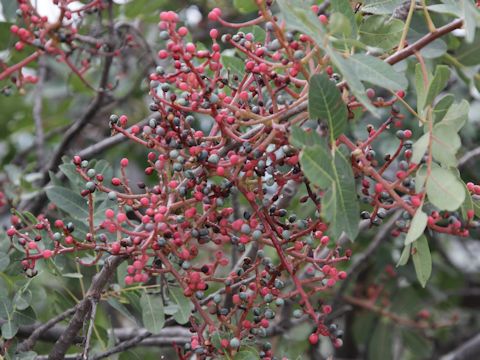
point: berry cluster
(222, 165)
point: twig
(472, 154)
(424, 41)
(29, 343)
(93, 312)
(466, 351)
(361, 260)
(84, 307)
(37, 113)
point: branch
(40, 330)
(468, 350)
(424, 41)
(472, 154)
(37, 113)
(84, 307)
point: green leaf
(182, 316)
(445, 144)
(68, 201)
(417, 227)
(343, 7)
(472, 19)
(22, 299)
(301, 138)
(235, 65)
(457, 115)
(420, 87)
(419, 148)
(422, 260)
(417, 345)
(441, 108)
(9, 10)
(404, 256)
(152, 312)
(245, 6)
(71, 173)
(121, 309)
(467, 204)
(353, 81)
(449, 7)
(380, 32)
(5, 35)
(325, 102)
(247, 353)
(469, 54)
(9, 330)
(444, 189)
(4, 261)
(340, 205)
(380, 346)
(440, 79)
(299, 16)
(103, 167)
(257, 32)
(378, 72)
(340, 25)
(385, 7)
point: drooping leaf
(68, 201)
(381, 32)
(420, 88)
(378, 72)
(419, 148)
(404, 256)
(469, 54)
(380, 345)
(444, 189)
(343, 7)
(301, 138)
(9, 10)
(441, 108)
(340, 205)
(247, 353)
(457, 115)
(184, 311)
(353, 81)
(121, 309)
(326, 103)
(438, 83)
(298, 16)
(257, 32)
(422, 260)
(445, 144)
(472, 19)
(385, 7)
(153, 316)
(340, 25)
(417, 227)
(4, 261)
(233, 64)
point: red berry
(313, 339)
(323, 19)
